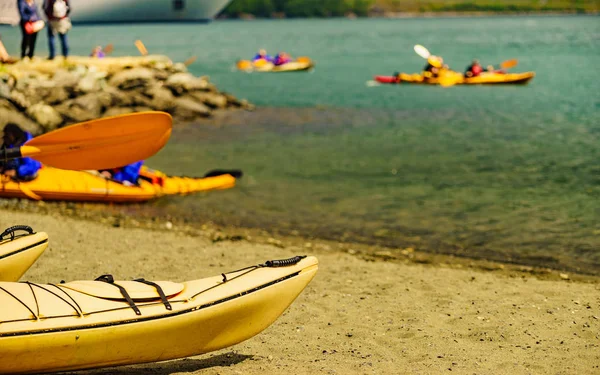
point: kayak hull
(302, 65)
(18, 253)
(91, 332)
(67, 185)
(483, 79)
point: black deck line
(94, 326)
(23, 249)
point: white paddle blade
(372, 83)
(422, 51)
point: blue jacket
(266, 57)
(130, 172)
(28, 12)
(25, 167)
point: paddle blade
(422, 51)
(104, 143)
(509, 64)
(108, 49)
(304, 59)
(190, 61)
(141, 47)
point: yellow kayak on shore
(89, 324)
(59, 184)
(19, 251)
(298, 65)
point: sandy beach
(360, 315)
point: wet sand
(360, 315)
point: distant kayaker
(98, 52)
(57, 12)
(282, 58)
(262, 55)
(474, 69)
(127, 175)
(21, 169)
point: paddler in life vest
(262, 55)
(127, 175)
(432, 69)
(21, 169)
(282, 58)
(474, 69)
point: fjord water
(508, 173)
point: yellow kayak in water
(90, 324)
(59, 184)
(298, 65)
(458, 79)
(20, 247)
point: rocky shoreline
(42, 95)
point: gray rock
(16, 117)
(132, 78)
(210, 99)
(161, 98)
(7, 104)
(54, 95)
(90, 82)
(188, 108)
(180, 83)
(65, 78)
(45, 115)
(118, 98)
(83, 108)
(4, 90)
(115, 111)
(19, 99)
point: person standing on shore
(29, 16)
(57, 13)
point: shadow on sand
(169, 367)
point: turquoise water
(510, 173)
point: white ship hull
(117, 11)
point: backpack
(59, 9)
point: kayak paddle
(99, 144)
(424, 53)
(108, 49)
(509, 64)
(190, 61)
(141, 47)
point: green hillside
(336, 8)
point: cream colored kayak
(89, 324)
(19, 251)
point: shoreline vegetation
(279, 9)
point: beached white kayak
(89, 324)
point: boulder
(45, 115)
(19, 99)
(179, 83)
(16, 117)
(83, 108)
(91, 82)
(160, 97)
(65, 78)
(187, 108)
(118, 98)
(54, 95)
(210, 99)
(132, 78)
(115, 111)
